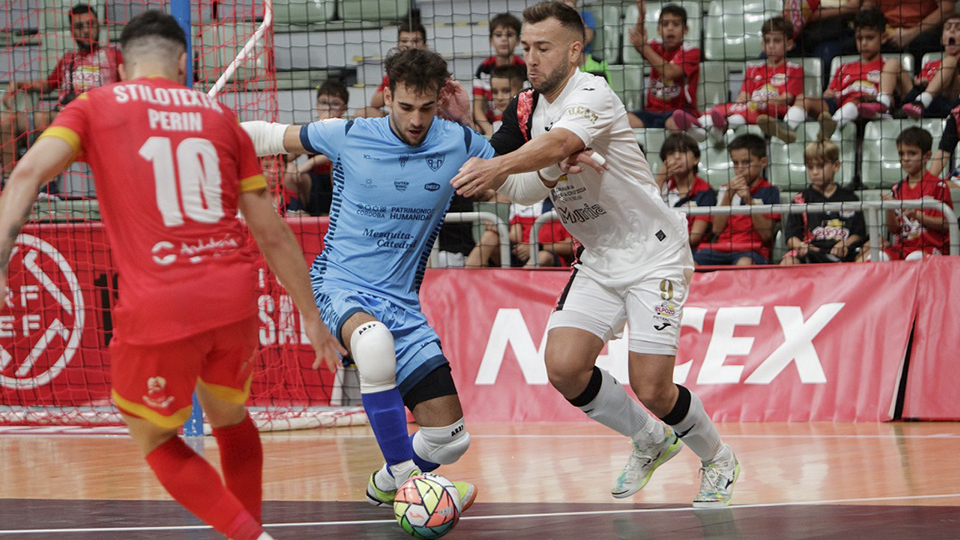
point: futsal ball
(427, 506)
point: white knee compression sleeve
(371, 346)
(443, 445)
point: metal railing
(871, 210)
(478, 217)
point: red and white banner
(807, 343)
(818, 342)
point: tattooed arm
(47, 158)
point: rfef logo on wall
(41, 325)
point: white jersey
(619, 217)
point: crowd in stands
(875, 85)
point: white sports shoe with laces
(716, 481)
(643, 461)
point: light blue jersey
(389, 201)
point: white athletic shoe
(716, 482)
(643, 461)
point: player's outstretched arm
(46, 159)
(285, 258)
(271, 138)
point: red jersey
(856, 79)
(169, 164)
(914, 236)
(671, 95)
(76, 72)
(384, 84)
(739, 234)
(907, 13)
(481, 83)
(762, 83)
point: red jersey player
(862, 88)
(172, 168)
(767, 90)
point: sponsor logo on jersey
(400, 185)
(156, 395)
(368, 183)
(39, 337)
(403, 160)
(371, 158)
(432, 186)
(371, 210)
(660, 235)
(435, 161)
(579, 215)
(580, 110)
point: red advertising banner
(792, 344)
(934, 372)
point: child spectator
(680, 185)
(743, 239)
(556, 244)
(767, 91)
(816, 237)
(916, 233)
(504, 37)
(505, 82)
(410, 35)
(310, 182)
(675, 70)
(864, 87)
(937, 87)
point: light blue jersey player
(391, 190)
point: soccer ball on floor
(427, 506)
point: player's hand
(10, 96)
(920, 81)
(327, 348)
(886, 197)
(839, 250)
(739, 186)
(454, 103)
(572, 165)
(478, 175)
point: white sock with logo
(613, 407)
(695, 427)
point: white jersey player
(635, 265)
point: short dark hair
(777, 24)
(333, 87)
(505, 20)
(753, 143)
(680, 142)
(81, 9)
(953, 15)
(917, 137)
(516, 73)
(870, 18)
(675, 10)
(421, 69)
(152, 23)
(568, 17)
(413, 26)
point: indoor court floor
(850, 481)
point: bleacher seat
(713, 88)
(627, 81)
(786, 168)
(652, 141)
(19, 17)
(21, 63)
(374, 10)
(289, 14)
(694, 25)
(715, 164)
(732, 28)
(881, 162)
(906, 61)
(219, 45)
(456, 40)
(606, 37)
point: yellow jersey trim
(253, 183)
(229, 394)
(66, 134)
(175, 420)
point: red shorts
(156, 382)
(899, 252)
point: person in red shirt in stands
(90, 66)
(173, 167)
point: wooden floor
(852, 481)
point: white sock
(926, 99)
(699, 432)
(264, 536)
(402, 471)
(845, 114)
(614, 408)
(794, 117)
(698, 133)
(384, 480)
(736, 120)
(651, 432)
(706, 120)
(886, 100)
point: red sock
(196, 485)
(241, 459)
